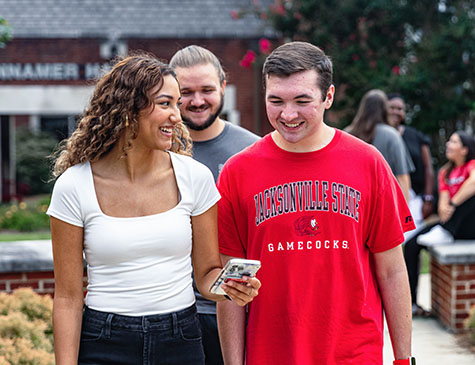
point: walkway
(431, 343)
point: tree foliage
(32, 163)
(423, 49)
(5, 32)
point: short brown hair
(295, 57)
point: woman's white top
(141, 265)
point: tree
(33, 163)
(424, 49)
(440, 75)
(5, 32)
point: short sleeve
(230, 227)
(402, 161)
(205, 193)
(441, 180)
(390, 215)
(425, 139)
(65, 203)
(471, 166)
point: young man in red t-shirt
(323, 212)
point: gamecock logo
(306, 226)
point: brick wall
(28, 264)
(453, 283)
(41, 282)
(86, 50)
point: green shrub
(25, 216)
(26, 333)
(32, 163)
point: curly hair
(117, 100)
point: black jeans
(461, 225)
(211, 344)
(173, 338)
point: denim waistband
(140, 323)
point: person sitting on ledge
(456, 193)
(456, 209)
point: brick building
(59, 47)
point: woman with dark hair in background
(456, 193)
(371, 125)
(456, 208)
(142, 210)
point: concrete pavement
(432, 344)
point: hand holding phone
(235, 269)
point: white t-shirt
(141, 265)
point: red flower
(264, 45)
(248, 59)
(277, 9)
(396, 70)
(355, 57)
(234, 14)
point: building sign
(51, 71)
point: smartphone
(234, 269)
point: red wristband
(409, 361)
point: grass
(424, 262)
(10, 236)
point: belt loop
(144, 324)
(108, 325)
(175, 324)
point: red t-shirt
(314, 220)
(457, 177)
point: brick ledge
(459, 252)
(26, 256)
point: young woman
(371, 125)
(456, 193)
(456, 208)
(144, 214)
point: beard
(211, 119)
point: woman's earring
(126, 121)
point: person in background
(371, 125)
(130, 198)
(456, 209)
(202, 82)
(456, 193)
(421, 201)
(325, 215)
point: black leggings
(461, 225)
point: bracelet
(428, 198)
(451, 203)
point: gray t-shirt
(391, 145)
(214, 153)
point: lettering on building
(51, 71)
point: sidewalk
(431, 343)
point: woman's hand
(445, 212)
(242, 293)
